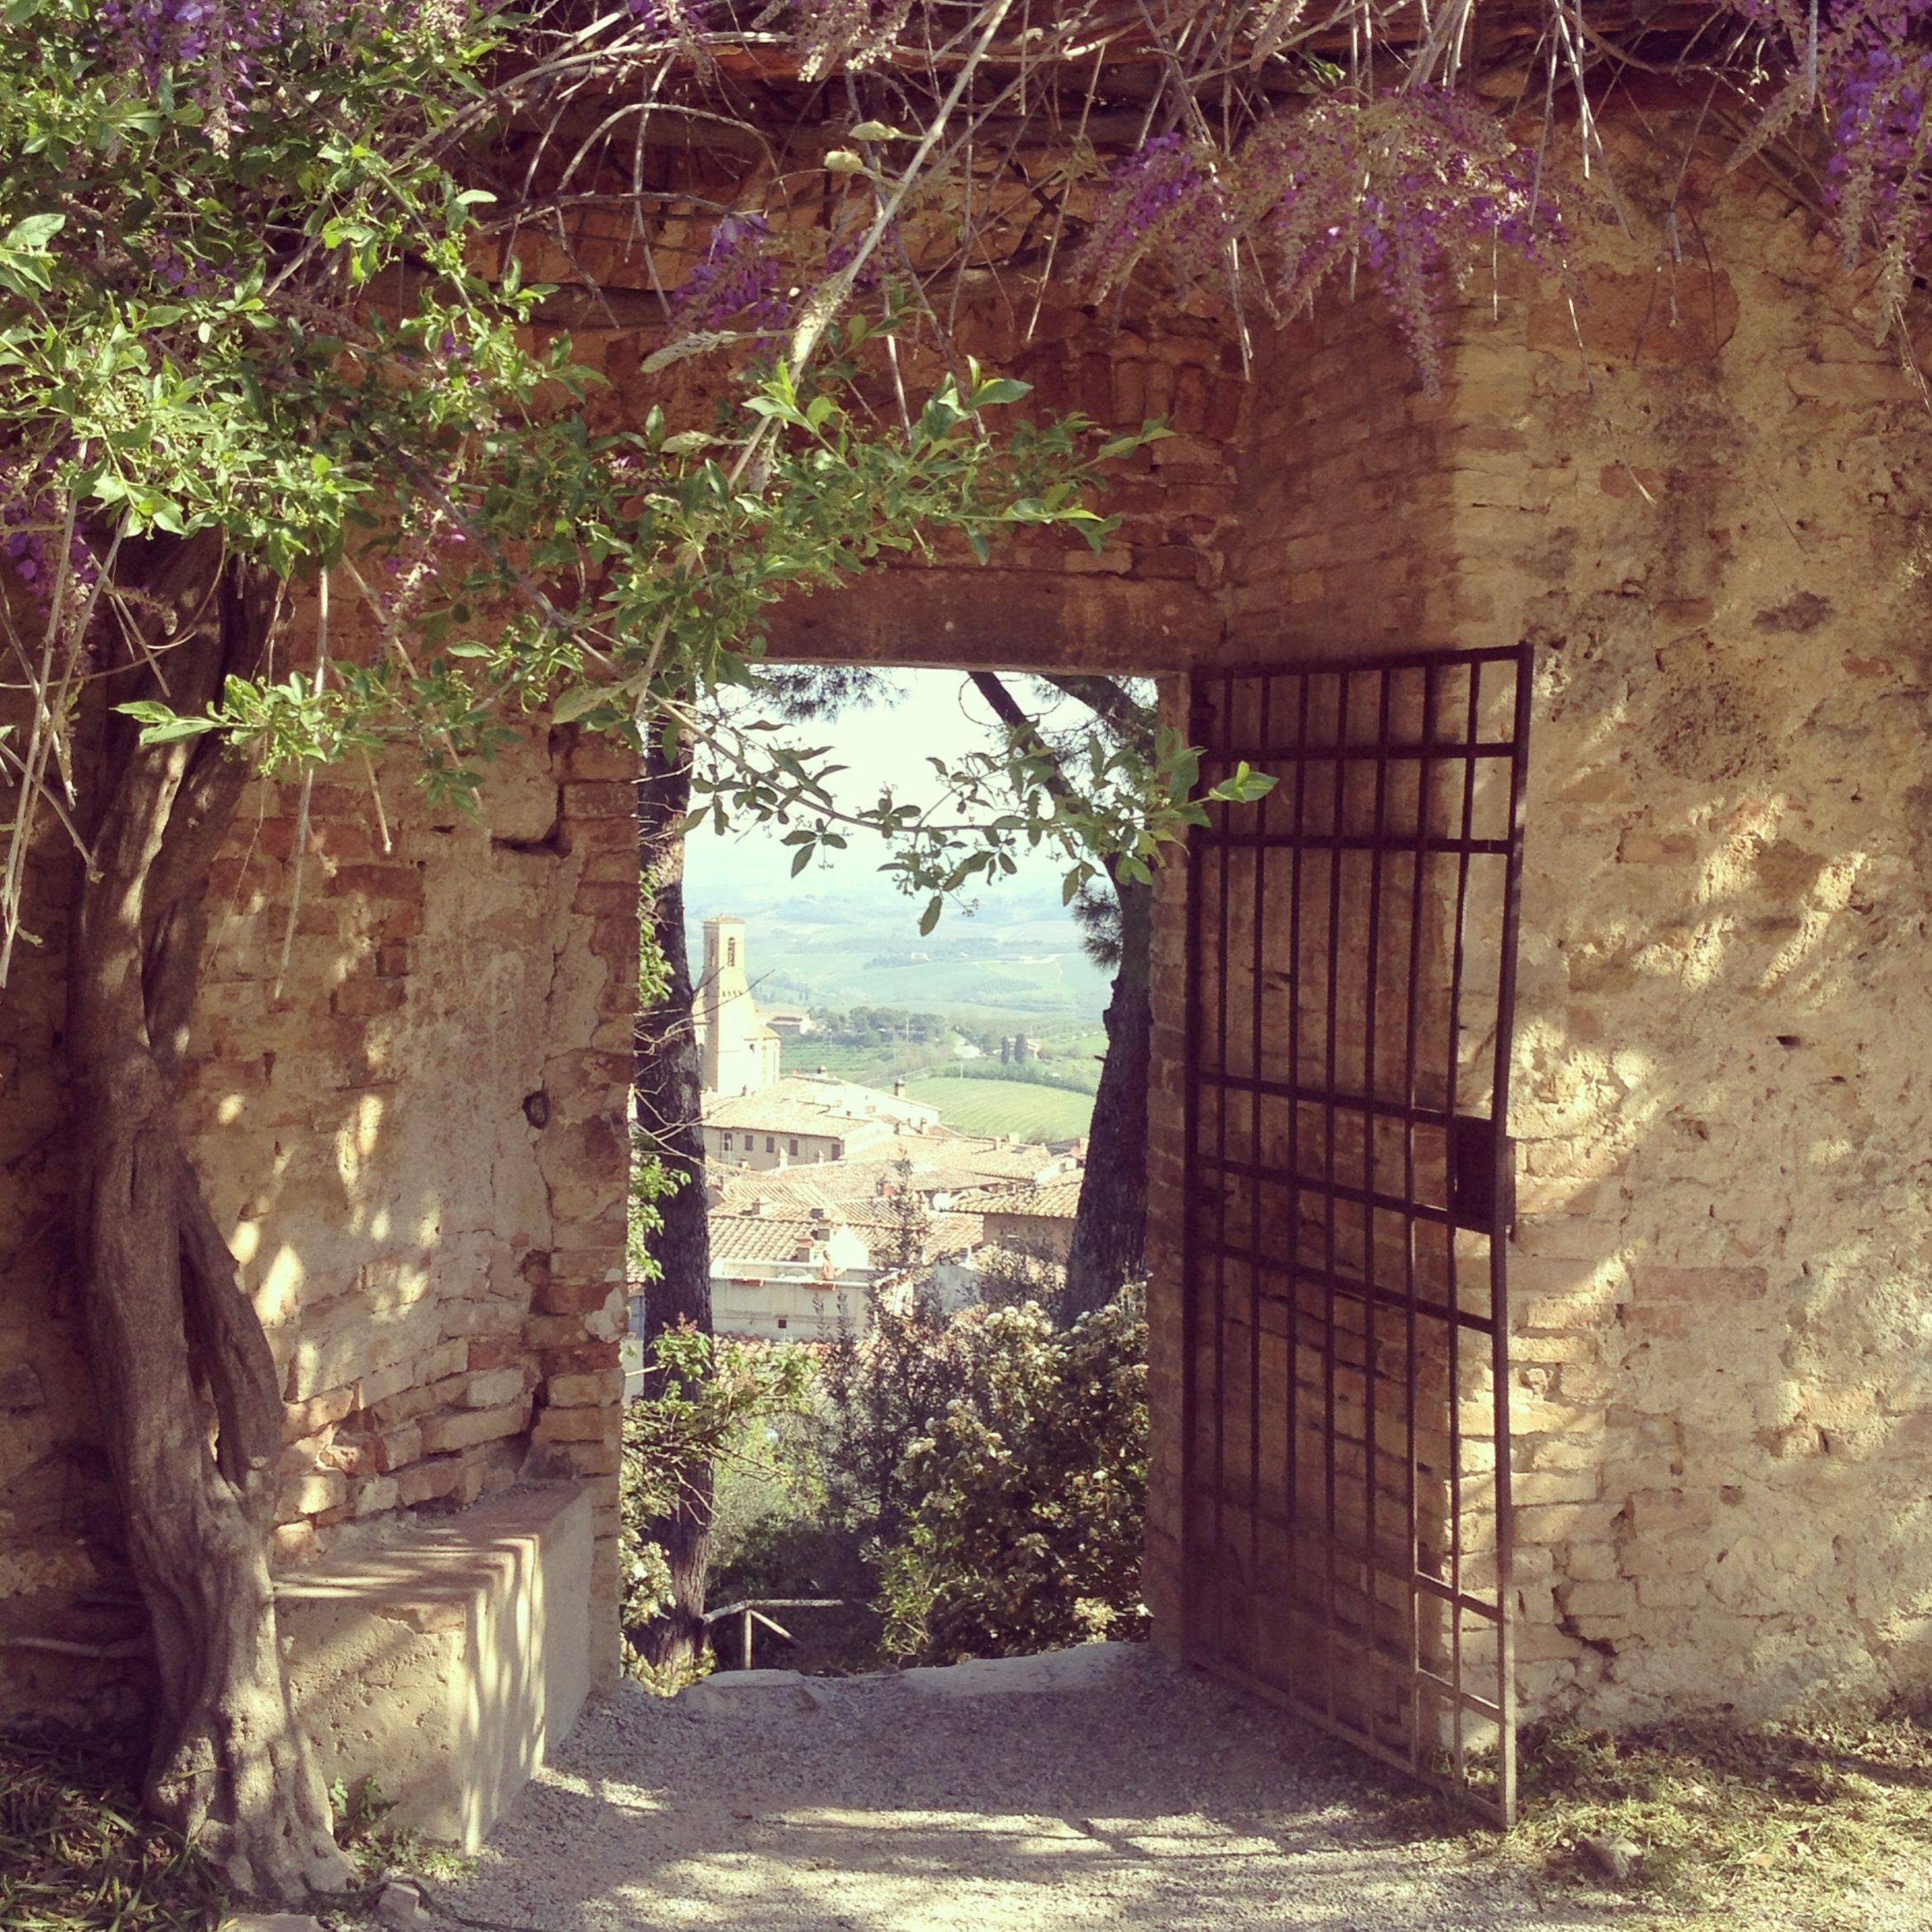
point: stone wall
(1714, 524)
(1712, 518)
(412, 1133)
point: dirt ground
(1144, 1796)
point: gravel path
(1151, 1798)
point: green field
(1005, 1106)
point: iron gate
(1349, 1188)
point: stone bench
(447, 1663)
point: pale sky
(938, 715)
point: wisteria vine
(1414, 186)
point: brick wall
(1711, 518)
(413, 1136)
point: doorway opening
(1328, 1200)
(900, 1092)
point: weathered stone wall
(1714, 523)
(1712, 518)
(413, 1133)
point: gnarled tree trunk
(668, 1084)
(190, 1407)
(1109, 1226)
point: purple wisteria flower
(31, 521)
(1162, 196)
(1868, 65)
(843, 36)
(738, 281)
(229, 46)
(1413, 186)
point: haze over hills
(845, 936)
(842, 934)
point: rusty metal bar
(1368, 1229)
(1257, 1153)
(1224, 711)
(1190, 1189)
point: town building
(739, 1049)
(799, 1254)
(810, 1274)
(1035, 1220)
(804, 1119)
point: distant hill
(845, 936)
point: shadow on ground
(1153, 1798)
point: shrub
(1031, 1491)
(706, 1402)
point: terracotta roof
(1053, 1201)
(779, 1237)
(946, 1234)
(800, 1103)
(761, 1238)
(939, 1163)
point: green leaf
(930, 916)
(580, 703)
(1001, 389)
(31, 234)
(700, 344)
(159, 726)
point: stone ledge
(448, 1662)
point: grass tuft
(77, 1854)
(1804, 1823)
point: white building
(741, 1052)
(804, 1119)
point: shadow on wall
(400, 1140)
(1723, 1270)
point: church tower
(740, 1051)
(725, 997)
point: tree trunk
(189, 1400)
(1109, 1243)
(1109, 1226)
(668, 1080)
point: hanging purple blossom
(739, 281)
(230, 46)
(1415, 186)
(680, 24)
(32, 520)
(843, 36)
(1162, 198)
(1867, 65)
(1418, 187)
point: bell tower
(724, 997)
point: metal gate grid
(1351, 987)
